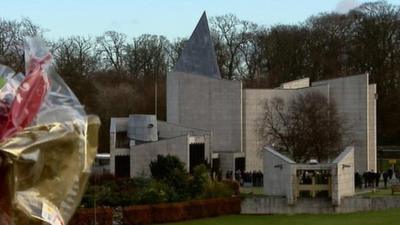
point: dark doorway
(122, 166)
(122, 140)
(216, 173)
(196, 156)
(240, 164)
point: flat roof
(102, 155)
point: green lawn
(381, 192)
(251, 191)
(388, 217)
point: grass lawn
(389, 217)
(251, 191)
(381, 192)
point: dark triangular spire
(198, 55)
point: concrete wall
(253, 112)
(175, 140)
(227, 162)
(295, 84)
(117, 124)
(209, 104)
(169, 130)
(219, 105)
(351, 97)
(142, 155)
(173, 97)
(280, 178)
(278, 205)
(372, 95)
(356, 103)
(278, 174)
(142, 127)
(343, 176)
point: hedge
(160, 213)
(140, 214)
(102, 216)
(174, 212)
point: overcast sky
(171, 18)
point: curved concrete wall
(253, 111)
(357, 106)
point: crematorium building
(215, 120)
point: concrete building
(210, 104)
(101, 164)
(355, 102)
(198, 97)
(284, 177)
(202, 104)
(137, 140)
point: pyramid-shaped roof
(198, 55)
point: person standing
(377, 178)
(358, 180)
(385, 178)
(390, 173)
(365, 178)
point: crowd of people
(369, 179)
(372, 179)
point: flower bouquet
(47, 143)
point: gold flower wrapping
(50, 165)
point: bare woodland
(115, 75)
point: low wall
(278, 205)
(174, 212)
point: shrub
(170, 170)
(98, 179)
(165, 167)
(217, 189)
(118, 192)
(234, 185)
(156, 192)
(141, 182)
(199, 181)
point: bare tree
(112, 47)
(230, 35)
(309, 127)
(254, 58)
(113, 101)
(12, 36)
(174, 51)
(75, 56)
(147, 56)
(375, 47)
(326, 45)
